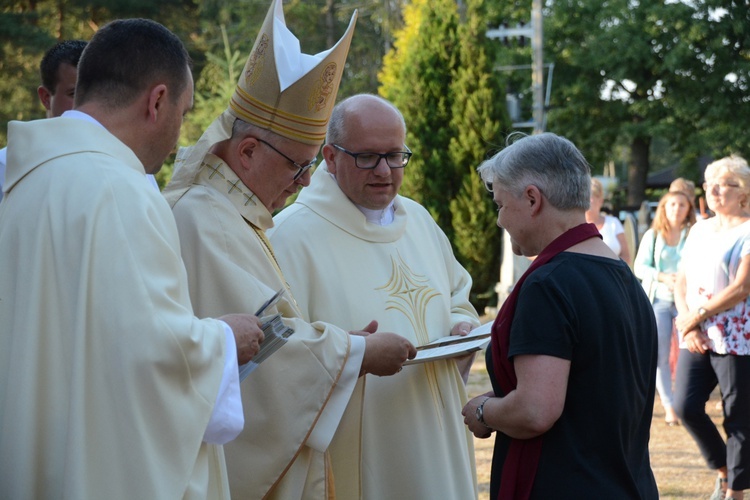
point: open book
(453, 345)
(275, 334)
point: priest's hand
(463, 363)
(385, 353)
(248, 335)
(462, 328)
(371, 327)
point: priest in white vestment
(350, 239)
(110, 387)
(222, 194)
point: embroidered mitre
(281, 89)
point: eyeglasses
(301, 169)
(722, 185)
(394, 159)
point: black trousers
(697, 376)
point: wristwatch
(702, 312)
(480, 412)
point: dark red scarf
(522, 460)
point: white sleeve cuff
(227, 419)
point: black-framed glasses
(394, 159)
(301, 169)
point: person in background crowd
(711, 295)
(684, 186)
(576, 329)
(656, 266)
(609, 226)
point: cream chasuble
(401, 436)
(231, 267)
(107, 380)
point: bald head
(357, 107)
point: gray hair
(735, 165)
(336, 133)
(550, 162)
(242, 129)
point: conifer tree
(417, 77)
(478, 113)
(440, 77)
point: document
(275, 334)
(453, 345)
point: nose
(304, 179)
(381, 168)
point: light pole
(535, 32)
(537, 75)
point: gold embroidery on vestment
(410, 293)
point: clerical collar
(381, 217)
(80, 115)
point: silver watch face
(479, 413)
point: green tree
(440, 76)
(417, 77)
(477, 118)
(630, 73)
(717, 103)
(29, 27)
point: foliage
(29, 27)
(440, 77)
(635, 72)
(477, 117)
(417, 77)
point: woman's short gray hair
(550, 162)
(734, 165)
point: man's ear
(45, 96)
(329, 156)
(245, 149)
(156, 100)
(534, 198)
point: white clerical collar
(381, 217)
(80, 115)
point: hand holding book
(276, 335)
(453, 345)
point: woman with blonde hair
(656, 266)
(610, 227)
(711, 295)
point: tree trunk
(638, 170)
(330, 23)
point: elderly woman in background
(711, 295)
(576, 330)
(609, 226)
(656, 266)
